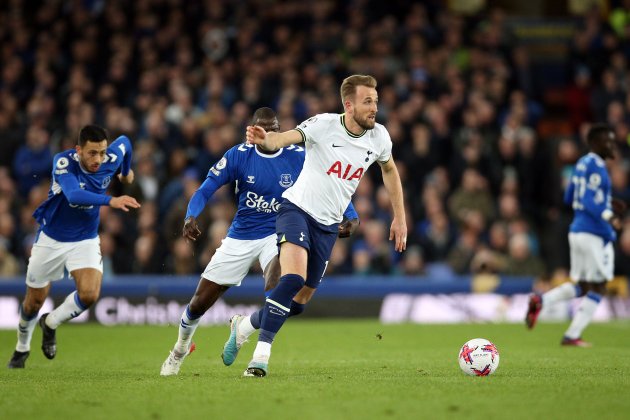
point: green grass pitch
(333, 369)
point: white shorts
(592, 259)
(49, 258)
(233, 259)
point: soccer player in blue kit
(592, 232)
(261, 177)
(68, 234)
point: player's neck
(352, 126)
(265, 151)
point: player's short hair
(597, 131)
(263, 113)
(93, 133)
(350, 83)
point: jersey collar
(342, 119)
(268, 156)
(597, 157)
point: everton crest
(285, 180)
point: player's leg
(293, 263)
(247, 325)
(84, 262)
(45, 264)
(227, 268)
(29, 309)
(601, 256)
(565, 291)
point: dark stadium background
(487, 103)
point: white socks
(187, 327)
(565, 291)
(70, 308)
(244, 329)
(262, 352)
(25, 332)
(583, 316)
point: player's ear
(77, 148)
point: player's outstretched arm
(127, 179)
(191, 229)
(271, 141)
(391, 180)
(124, 203)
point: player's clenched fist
(124, 203)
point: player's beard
(364, 123)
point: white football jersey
(336, 160)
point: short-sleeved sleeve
(386, 151)
(313, 128)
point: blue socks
(256, 317)
(278, 306)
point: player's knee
(88, 298)
(197, 308)
(288, 287)
(296, 308)
(32, 306)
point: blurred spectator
(9, 265)
(33, 161)
(464, 103)
(520, 260)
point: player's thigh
(231, 261)
(293, 230)
(293, 259)
(46, 262)
(321, 248)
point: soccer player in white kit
(339, 149)
(590, 237)
(68, 234)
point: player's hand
(191, 229)
(616, 222)
(255, 135)
(619, 207)
(126, 179)
(398, 232)
(124, 203)
(348, 227)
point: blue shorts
(296, 226)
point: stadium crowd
(182, 79)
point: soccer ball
(478, 357)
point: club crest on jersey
(106, 182)
(285, 180)
(221, 164)
(346, 172)
(62, 163)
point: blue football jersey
(71, 211)
(260, 181)
(589, 193)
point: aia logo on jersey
(346, 172)
(285, 180)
